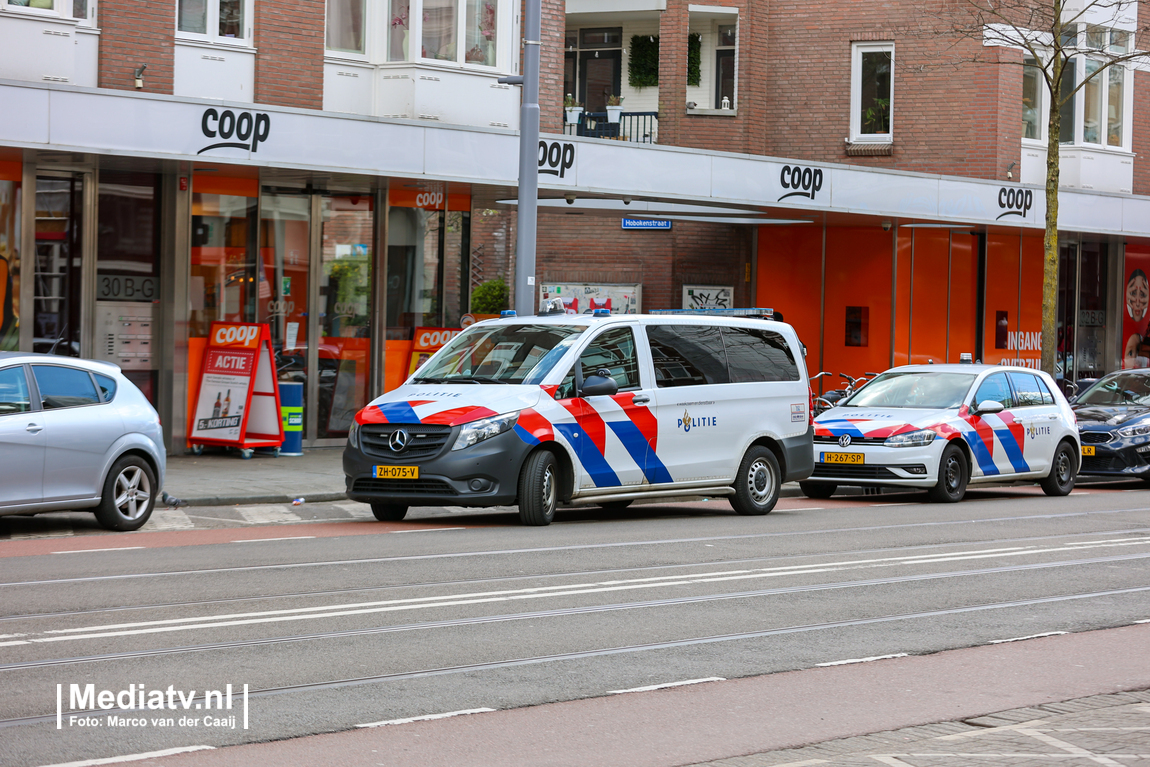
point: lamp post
(528, 160)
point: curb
(233, 500)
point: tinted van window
(64, 387)
(758, 355)
(687, 355)
(615, 351)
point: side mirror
(599, 385)
(989, 406)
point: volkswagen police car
(590, 409)
(942, 427)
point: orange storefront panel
(901, 351)
(857, 335)
(963, 300)
(929, 321)
(789, 279)
(1013, 318)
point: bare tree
(1054, 37)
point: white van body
(688, 399)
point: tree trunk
(1050, 239)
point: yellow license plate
(396, 472)
(1088, 450)
(843, 458)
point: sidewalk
(223, 479)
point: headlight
(353, 435)
(1140, 430)
(920, 438)
(477, 431)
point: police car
(590, 409)
(942, 427)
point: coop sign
(245, 130)
(1014, 202)
(556, 157)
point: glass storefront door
(1085, 349)
(56, 303)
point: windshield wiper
(476, 379)
(429, 380)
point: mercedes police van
(591, 409)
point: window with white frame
(216, 21)
(1097, 115)
(83, 11)
(872, 91)
(464, 32)
(725, 39)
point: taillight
(811, 403)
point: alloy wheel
(133, 492)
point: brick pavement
(1098, 730)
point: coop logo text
(239, 131)
(556, 157)
(805, 182)
(1014, 202)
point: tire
(953, 474)
(1063, 471)
(129, 495)
(615, 505)
(757, 483)
(818, 489)
(538, 489)
(388, 512)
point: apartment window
(1032, 84)
(725, 65)
(480, 30)
(345, 33)
(227, 21)
(872, 88)
(451, 31)
(1096, 115)
(79, 9)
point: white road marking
(429, 530)
(1145, 621)
(664, 686)
(286, 538)
(169, 519)
(509, 595)
(266, 514)
(357, 510)
(427, 717)
(891, 761)
(135, 757)
(1070, 748)
(900, 503)
(862, 660)
(88, 551)
(1032, 636)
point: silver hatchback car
(76, 434)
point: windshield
(510, 354)
(914, 390)
(1120, 389)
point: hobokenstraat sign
(646, 223)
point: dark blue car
(1114, 425)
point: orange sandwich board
(238, 404)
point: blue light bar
(722, 312)
(507, 313)
(601, 313)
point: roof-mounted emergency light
(507, 313)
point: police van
(591, 409)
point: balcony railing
(639, 127)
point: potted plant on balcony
(573, 109)
(614, 108)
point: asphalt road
(333, 621)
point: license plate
(843, 458)
(1088, 450)
(396, 472)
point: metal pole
(528, 160)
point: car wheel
(538, 489)
(757, 483)
(952, 476)
(129, 495)
(614, 505)
(818, 489)
(1063, 470)
(388, 512)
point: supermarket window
(219, 21)
(872, 91)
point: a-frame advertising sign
(238, 404)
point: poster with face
(1135, 306)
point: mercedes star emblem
(398, 440)
(844, 440)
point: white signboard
(580, 298)
(708, 297)
(224, 393)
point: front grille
(1095, 437)
(1094, 463)
(403, 486)
(854, 440)
(424, 440)
(845, 471)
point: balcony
(636, 127)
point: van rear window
(759, 355)
(695, 355)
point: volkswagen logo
(844, 440)
(398, 440)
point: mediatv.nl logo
(136, 706)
